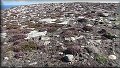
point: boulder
(113, 57)
(74, 50)
(68, 58)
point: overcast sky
(24, 2)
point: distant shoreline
(10, 6)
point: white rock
(41, 52)
(63, 47)
(74, 22)
(88, 42)
(49, 20)
(109, 22)
(98, 41)
(69, 57)
(106, 14)
(34, 63)
(3, 35)
(5, 43)
(19, 24)
(109, 25)
(31, 28)
(76, 37)
(4, 26)
(61, 43)
(65, 22)
(89, 25)
(23, 17)
(61, 53)
(82, 46)
(35, 33)
(92, 57)
(111, 18)
(93, 19)
(28, 60)
(68, 38)
(45, 38)
(6, 58)
(22, 27)
(46, 42)
(95, 41)
(81, 17)
(113, 57)
(106, 20)
(73, 38)
(117, 23)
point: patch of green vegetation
(29, 46)
(24, 46)
(101, 59)
(9, 49)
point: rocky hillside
(61, 35)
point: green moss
(9, 49)
(101, 59)
(29, 46)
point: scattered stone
(89, 25)
(74, 50)
(6, 58)
(81, 19)
(61, 53)
(113, 57)
(3, 35)
(34, 63)
(45, 38)
(68, 58)
(5, 43)
(75, 32)
(36, 34)
(46, 42)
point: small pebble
(6, 58)
(5, 43)
(28, 60)
(82, 46)
(60, 53)
(34, 63)
(69, 57)
(89, 25)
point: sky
(25, 2)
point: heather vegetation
(61, 34)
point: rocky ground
(61, 35)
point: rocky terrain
(61, 35)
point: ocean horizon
(7, 6)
